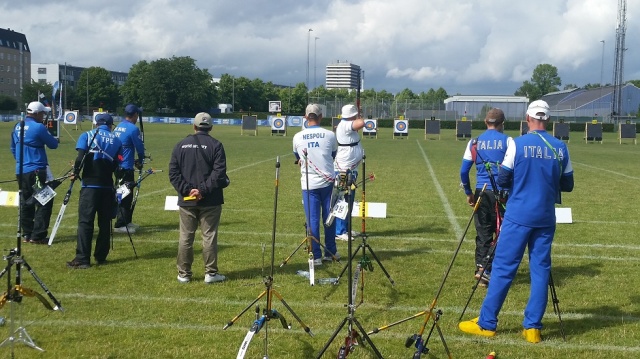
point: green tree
(31, 91)
(544, 80)
(170, 85)
(294, 99)
(8, 103)
(96, 88)
(636, 83)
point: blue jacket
(536, 167)
(36, 136)
(131, 140)
(489, 148)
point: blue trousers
(315, 202)
(514, 238)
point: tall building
(15, 64)
(342, 75)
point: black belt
(349, 144)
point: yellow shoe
(532, 335)
(472, 327)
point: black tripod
(365, 262)
(417, 339)
(268, 312)
(351, 340)
(15, 292)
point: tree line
(178, 87)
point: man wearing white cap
(537, 168)
(349, 156)
(34, 218)
(315, 148)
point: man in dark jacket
(34, 218)
(98, 152)
(198, 172)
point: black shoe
(101, 262)
(40, 241)
(74, 264)
(26, 239)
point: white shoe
(317, 262)
(123, 229)
(354, 234)
(183, 279)
(214, 278)
(343, 237)
(133, 225)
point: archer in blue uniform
(34, 218)
(486, 150)
(131, 139)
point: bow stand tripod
(353, 325)
(15, 292)
(418, 339)
(364, 263)
(268, 312)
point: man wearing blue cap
(34, 219)
(98, 152)
(131, 139)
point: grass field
(135, 308)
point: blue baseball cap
(132, 109)
(104, 119)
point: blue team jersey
(490, 147)
(535, 162)
(131, 140)
(36, 137)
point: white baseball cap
(539, 110)
(37, 106)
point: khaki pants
(208, 218)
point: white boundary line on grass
(606, 170)
(445, 202)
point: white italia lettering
(543, 152)
(490, 145)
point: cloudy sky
(468, 47)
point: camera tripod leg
(556, 304)
(344, 269)
(230, 323)
(304, 326)
(333, 336)
(55, 301)
(366, 337)
(373, 254)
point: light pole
(315, 46)
(307, 83)
(601, 74)
(233, 95)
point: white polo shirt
(320, 145)
(349, 155)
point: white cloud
(463, 46)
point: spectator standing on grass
(537, 168)
(488, 149)
(101, 150)
(34, 218)
(348, 157)
(198, 172)
(131, 139)
(315, 148)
